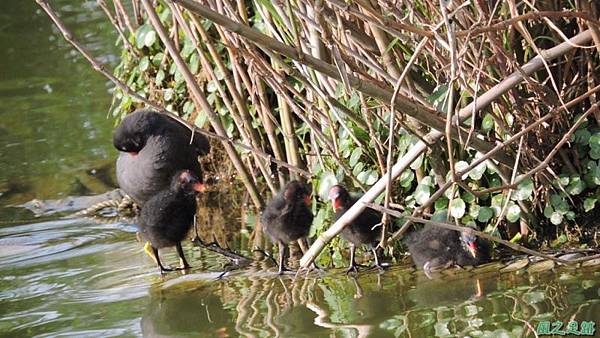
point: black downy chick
(365, 229)
(434, 247)
(166, 218)
(288, 217)
(153, 147)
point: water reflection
(65, 267)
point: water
(75, 277)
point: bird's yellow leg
(148, 251)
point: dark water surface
(75, 277)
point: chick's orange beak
(199, 187)
(307, 200)
(472, 249)
(337, 203)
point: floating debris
(516, 265)
(592, 262)
(541, 266)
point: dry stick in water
(412, 154)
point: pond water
(76, 277)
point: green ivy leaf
(358, 168)
(157, 59)
(497, 203)
(422, 193)
(150, 38)
(576, 186)
(477, 172)
(440, 215)
(428, 181)
(460, 166)
(485, 214)
(441, 203)
(487, 123)
(372, 178)
(457, 208)
(140, 35)
(474, 210)
(417, 163)
(595, 153)
(406, 178)
(589, 203)
(556, 218)
(160, 76)
(582, 136)
(513, 212)
(168, 94)
(468, 197)
(326, 181)
(355, 156)
(556, 200)
(144, 63)
(524, 190)
(548, 211)
(594, 141)
(438, 98)
(194, 63)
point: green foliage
(352, 154)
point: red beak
(199, 187)
(472, 249)
(307, 200)
(337, 203)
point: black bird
(166, 218)
(288, 217)
(153, 148)
(434, 247)
(365, 229)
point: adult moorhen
(166, 218)
(153, 148)
(435, 247)
(365, 229)
(288, 217)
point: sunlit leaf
(524, 190)
(487, 123)
(160, 76)
(576, 186)
(150, 38)
(406, 178)
(513, 212)
(326, 181)
(460, 166)
(422, 193)
(355, 156)
(457, 208)
(556, 218)
(474, 210)
(589, 203)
